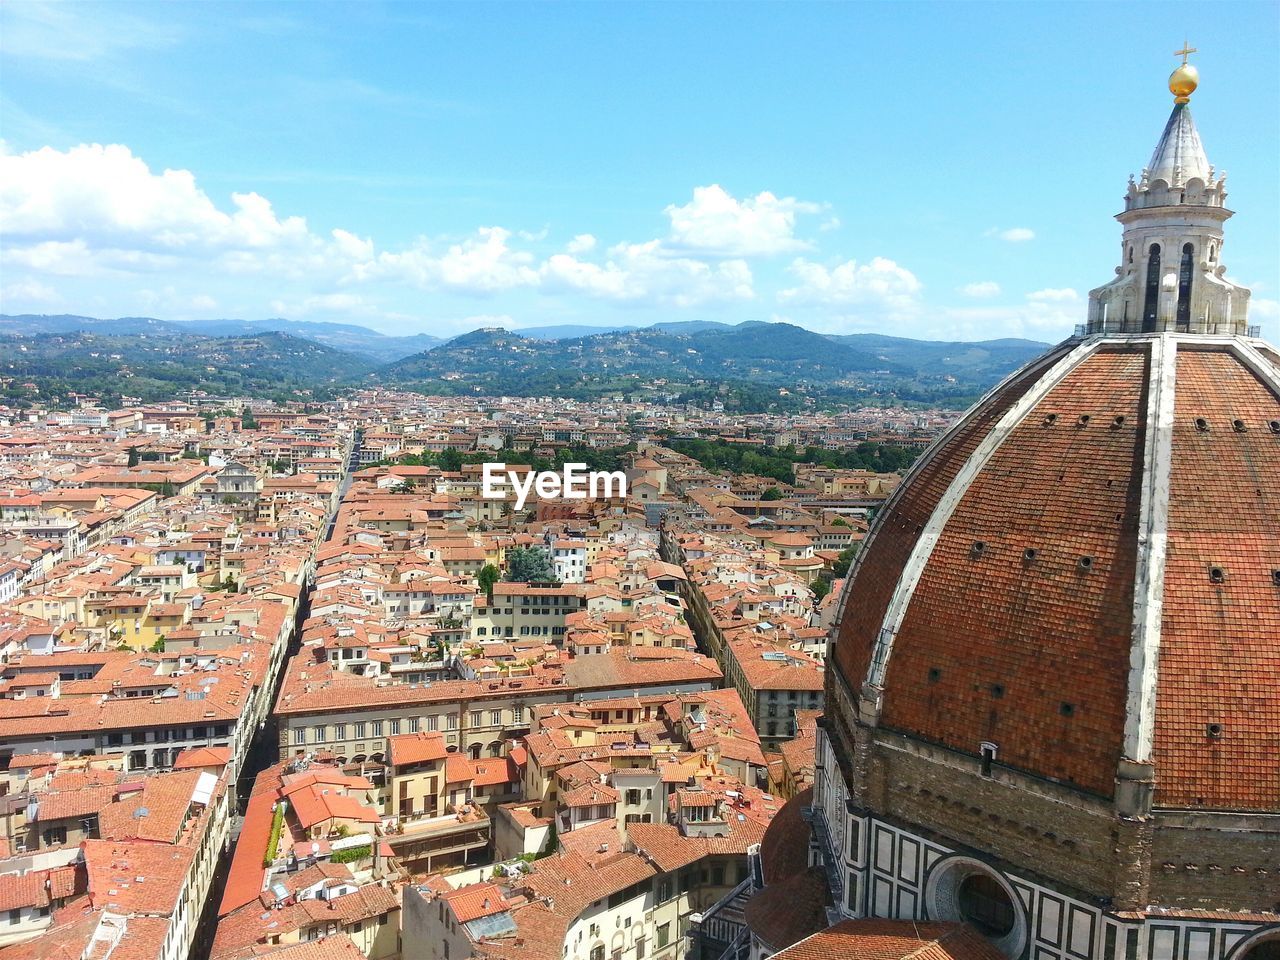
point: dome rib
(1153, 540)
(928, 539)
(886, 548)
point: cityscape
(673, 631)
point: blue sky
(944, 170)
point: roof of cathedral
(1086, 569)
(1179, 156)
(894, 940)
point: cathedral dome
(1080, 582)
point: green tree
(133, 456)
(820, 589)
(841, 566)
(773, 493)
(246, 419)
(450, 461)
(529, 565)
(839, 522)
(489, 575)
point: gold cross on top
(1186, 51)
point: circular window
(960, 888)
(983, 902)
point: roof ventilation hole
(1067, 709)
(1051, 418)
(978, 549)
(1217, 575)
(1202, 424)
(1029, 554)
(1118, 422)
(1275, 577)
(1238, 426)
(1275, 426)
(1083, 421)
(1085, 564)
(1213, 731)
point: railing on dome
(720, 932)
(740, 948)
(1254, 330)
(817, 819)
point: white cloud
(716, 223)
(981, 289)
(1053, 295)
(27, 291)
(482, 264)
(98, 214)
(1039, 320)
(643, 272)
(107, 197)
(1260, 308)
(1012, 234)
(349, 245)
(881, 283)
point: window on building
(317, 734)
(664, 935)
(1185, 270)
(361, 730)
(299, 736)
(1151, 303)
(433, 723)
(54, 836)
(413, 724)
(377, 728)
(495, 718)
(340, 731)
(395, 728)
(451, 722)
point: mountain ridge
(689, 359)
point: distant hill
(982, 361)
(340, 336)
(158, 367)
(570, 331)
(494, 360)
(765, 364)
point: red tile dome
(1085, 572)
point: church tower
(1171, 275)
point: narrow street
(265, 748)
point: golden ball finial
(1183, 82)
